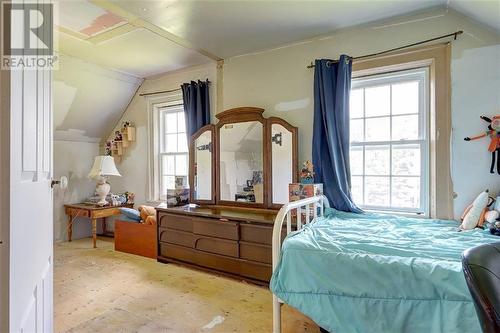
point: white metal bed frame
(318, 203)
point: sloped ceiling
(230, 28)
(89, 99)
(108, 46)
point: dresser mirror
(202, 165)
(241, 162)
(251, 163)
(283, 146)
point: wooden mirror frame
(240, 115)
(295, 175)
(192, 152)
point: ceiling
(107, 47)
(144, 38)
(89, 99)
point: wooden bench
(136, 238)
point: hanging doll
(494, 133)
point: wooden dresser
(234, 241)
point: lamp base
(102, 189)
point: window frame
(154, 104)
(437, 57)
(421, 75)
(162, 111)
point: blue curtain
(332, 85)
(196, 105)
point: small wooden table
(93, 212)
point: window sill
(391, 212)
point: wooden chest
(228, 240)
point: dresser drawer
(255, 270)
(77, 212)
(259, 234)
(204, 259)
(178, 253)
(177, 222)
(105, 213)
(177, 237)
(256, 252)
(243, 268)
(215, 228)
(217, 246)
(256, 233)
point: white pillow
(471, 219)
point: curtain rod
(454, 34)
(165, 91)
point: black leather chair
(481, 265)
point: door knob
(62, 182)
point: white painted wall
(476, 91)
(279, 81)
(72, 159)
(134, 164)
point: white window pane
(181, 165)
(405, 98)
(171, 143)
(170, 122)
(405, 127)
(356, 130)
(181, 124)
(168, 165)
(406, 192)
(356, 160)
(356, 103)
(377, 101)
(378, 129)
(377, 191)
(168, 183)
(357, 189)
(406, 160)
(377, 160)
(182, 141)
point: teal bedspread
(373, 273)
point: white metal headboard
(317, 204)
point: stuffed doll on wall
(494, 133)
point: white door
(31, 223)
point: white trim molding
(154, 103)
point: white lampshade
(104, 166)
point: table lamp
(104, 166)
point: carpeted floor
(100, 290)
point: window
(173, 156)
(389, 153)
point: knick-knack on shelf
(307, 173)
(118, 136)
(108, 148)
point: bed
(372, 273)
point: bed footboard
(315, 205)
